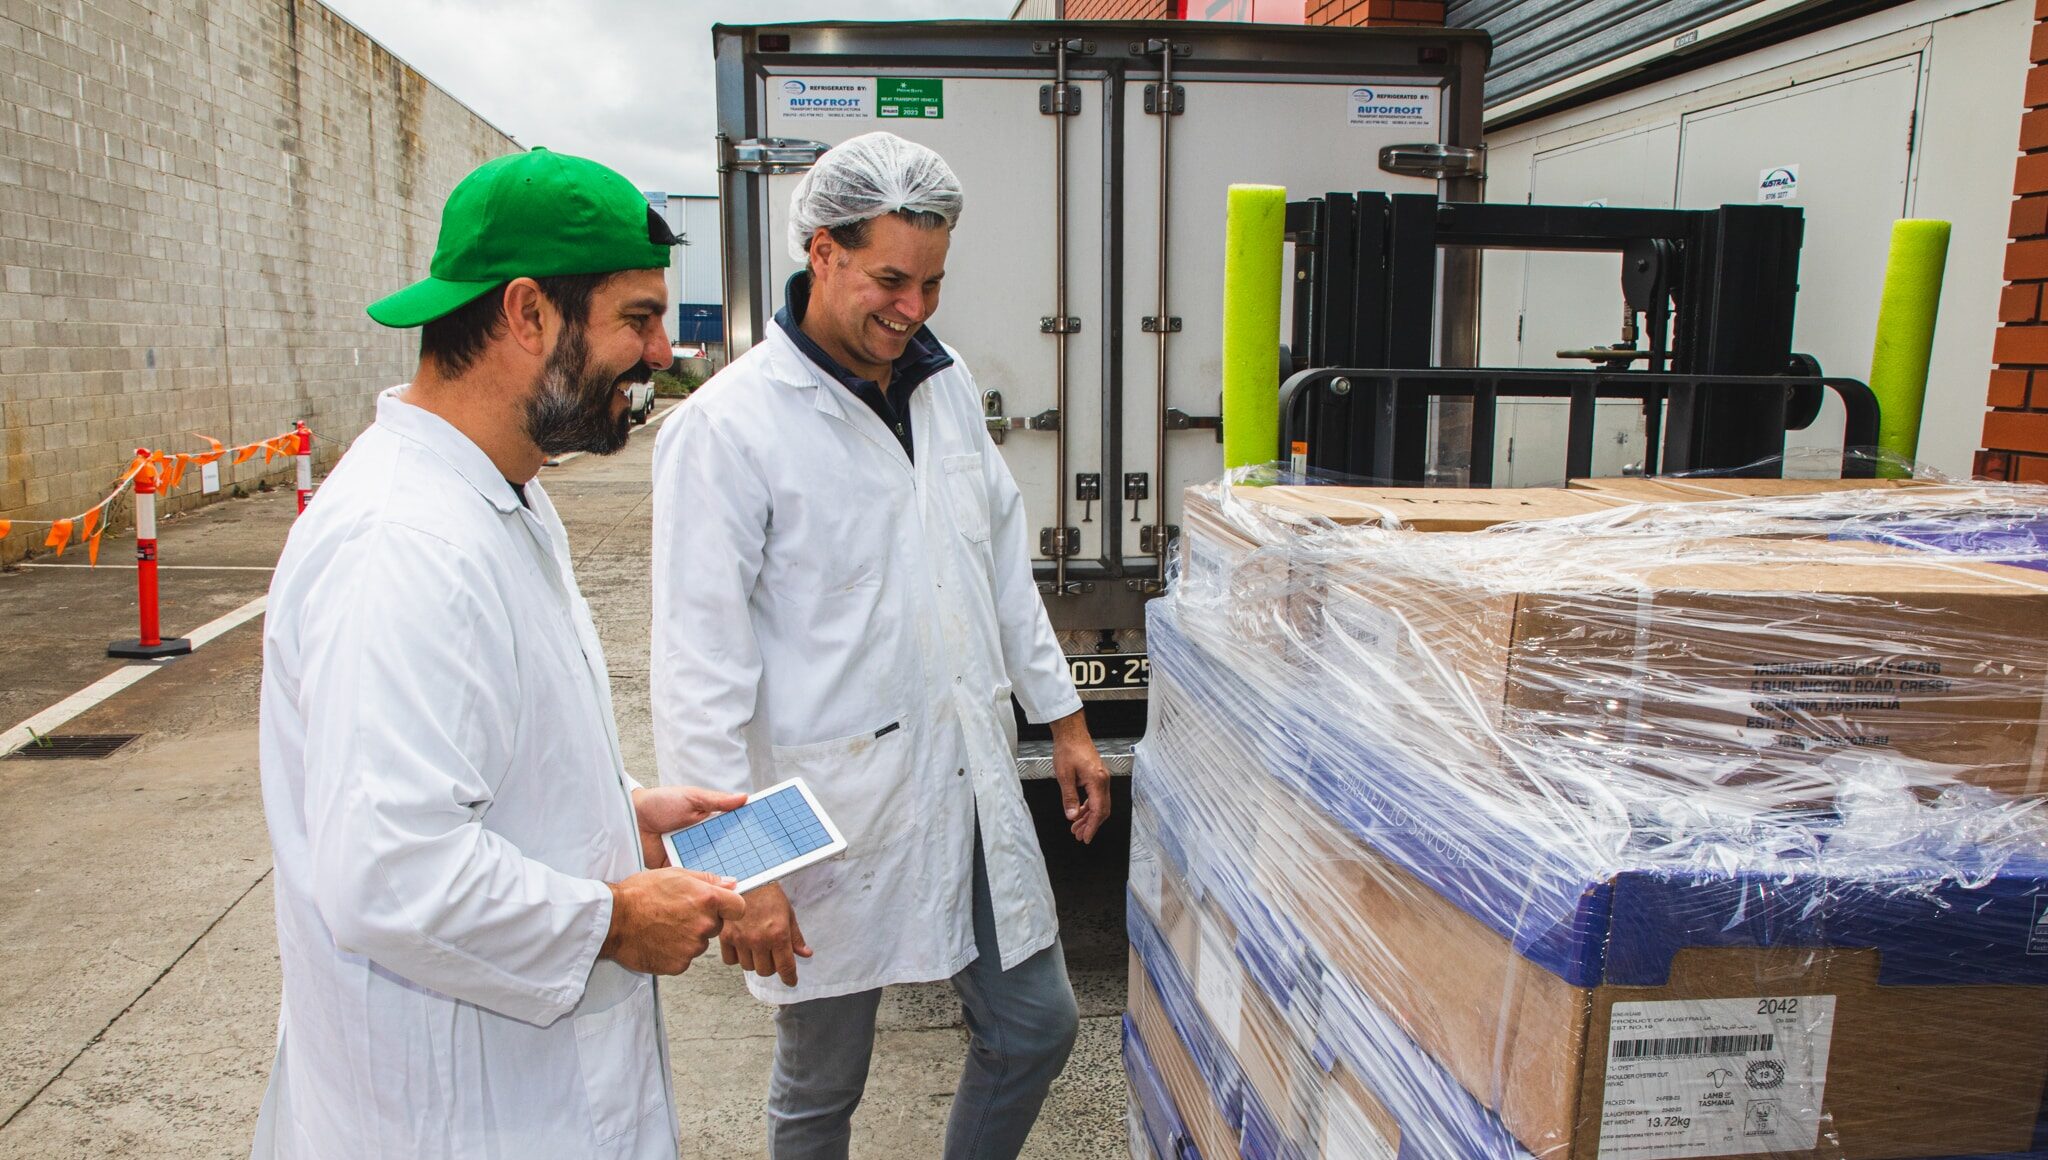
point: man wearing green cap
(467, 925)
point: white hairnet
(866, 177)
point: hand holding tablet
(780, 830)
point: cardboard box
(1782, 666)
(1422, 509)
(1267, 602)
(1170, 1056)
(1601, 1070)
(1667, 489)
(1355, 1123)
(1779, 664)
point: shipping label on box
(1716, 1077)
(1218, 981)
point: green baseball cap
(530, 215)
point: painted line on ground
(165, 567)
(56, 716)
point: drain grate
(77, 745)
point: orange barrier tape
(166, 470)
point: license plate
(1111, 671)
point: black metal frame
(1722, 282)
(1351, 416)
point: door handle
(1179, 420)
(1000, 424)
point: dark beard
(571, 408)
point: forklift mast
(1720, 385)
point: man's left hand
(668, 808)
(1084, 780)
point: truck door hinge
(1178, 104)
(1155, 539)
(1050, 103)
(1059, 543)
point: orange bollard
(305, 457)
(149, 644)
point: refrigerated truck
(1084, 287)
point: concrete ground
(138, 1009)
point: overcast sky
(626, 82)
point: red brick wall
(1377, 13)
(1348, 13)
(2016, 427)
(1117, 9)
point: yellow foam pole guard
(1905, 334)
(1252, 251)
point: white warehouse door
(1847, 139)
(1838, 148)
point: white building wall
(1965, 64)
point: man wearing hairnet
(843, 593)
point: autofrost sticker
(823, 98)
(1409, 108)
(1715, 1077)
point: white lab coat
(442, 780)
(824, 609)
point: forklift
(1718, 383)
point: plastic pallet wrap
(1639, 820)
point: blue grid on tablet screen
(758, 836)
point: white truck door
(1314, 136)
(999, 288)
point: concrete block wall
(2016, 426)
(197, 199)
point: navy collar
(923, 358)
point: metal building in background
(695, 277)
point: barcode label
(1692, 1046)
(1694, 1078)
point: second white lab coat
(825, 608)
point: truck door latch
(1000, 425)
(770, 156)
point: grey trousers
(1020, 1025)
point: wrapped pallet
(1597, 825)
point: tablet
(780, 830)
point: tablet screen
(770, 830)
